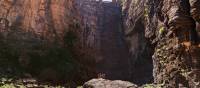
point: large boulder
(103, 83)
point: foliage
(152, 86)
(8, 86)
(57, 58)
(145, 12)
(198, 19)
(70, 38)
(161, 30)
(40, 54)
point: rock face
(170, 27)
(90, 33)
(44, 34)
(113, 46)
(103, 83)
(177, 52)
(46, 18)
(104, 38)
(39, 36)
(37, 31)
(140, 49)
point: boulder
(103, 83)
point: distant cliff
(103, 38)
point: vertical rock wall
(176, 56)
(140, 49)
(47, 18)
(38, 36)
(90, 35)
(103, 38)
(115, 61)
(170, 27)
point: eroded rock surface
(176, 54)
(170, 26)
(140, 49)
(47, 18)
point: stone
(103, 83)
(179, 18)
(139, 47)
(195, 9)
(103, 40)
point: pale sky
(107, 0)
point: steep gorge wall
(66, 39)
(115, 62)
(47, 18)
(140, 48)
(170, 27)
(42, 37)
(90, 35)
(104, 38)
(178, 50)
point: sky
(107, 0)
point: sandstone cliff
(140, 49)
(65, 39)
(170, 26)
(47, 18)
(103, 38)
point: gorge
(150, 43)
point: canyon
(150, 43)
